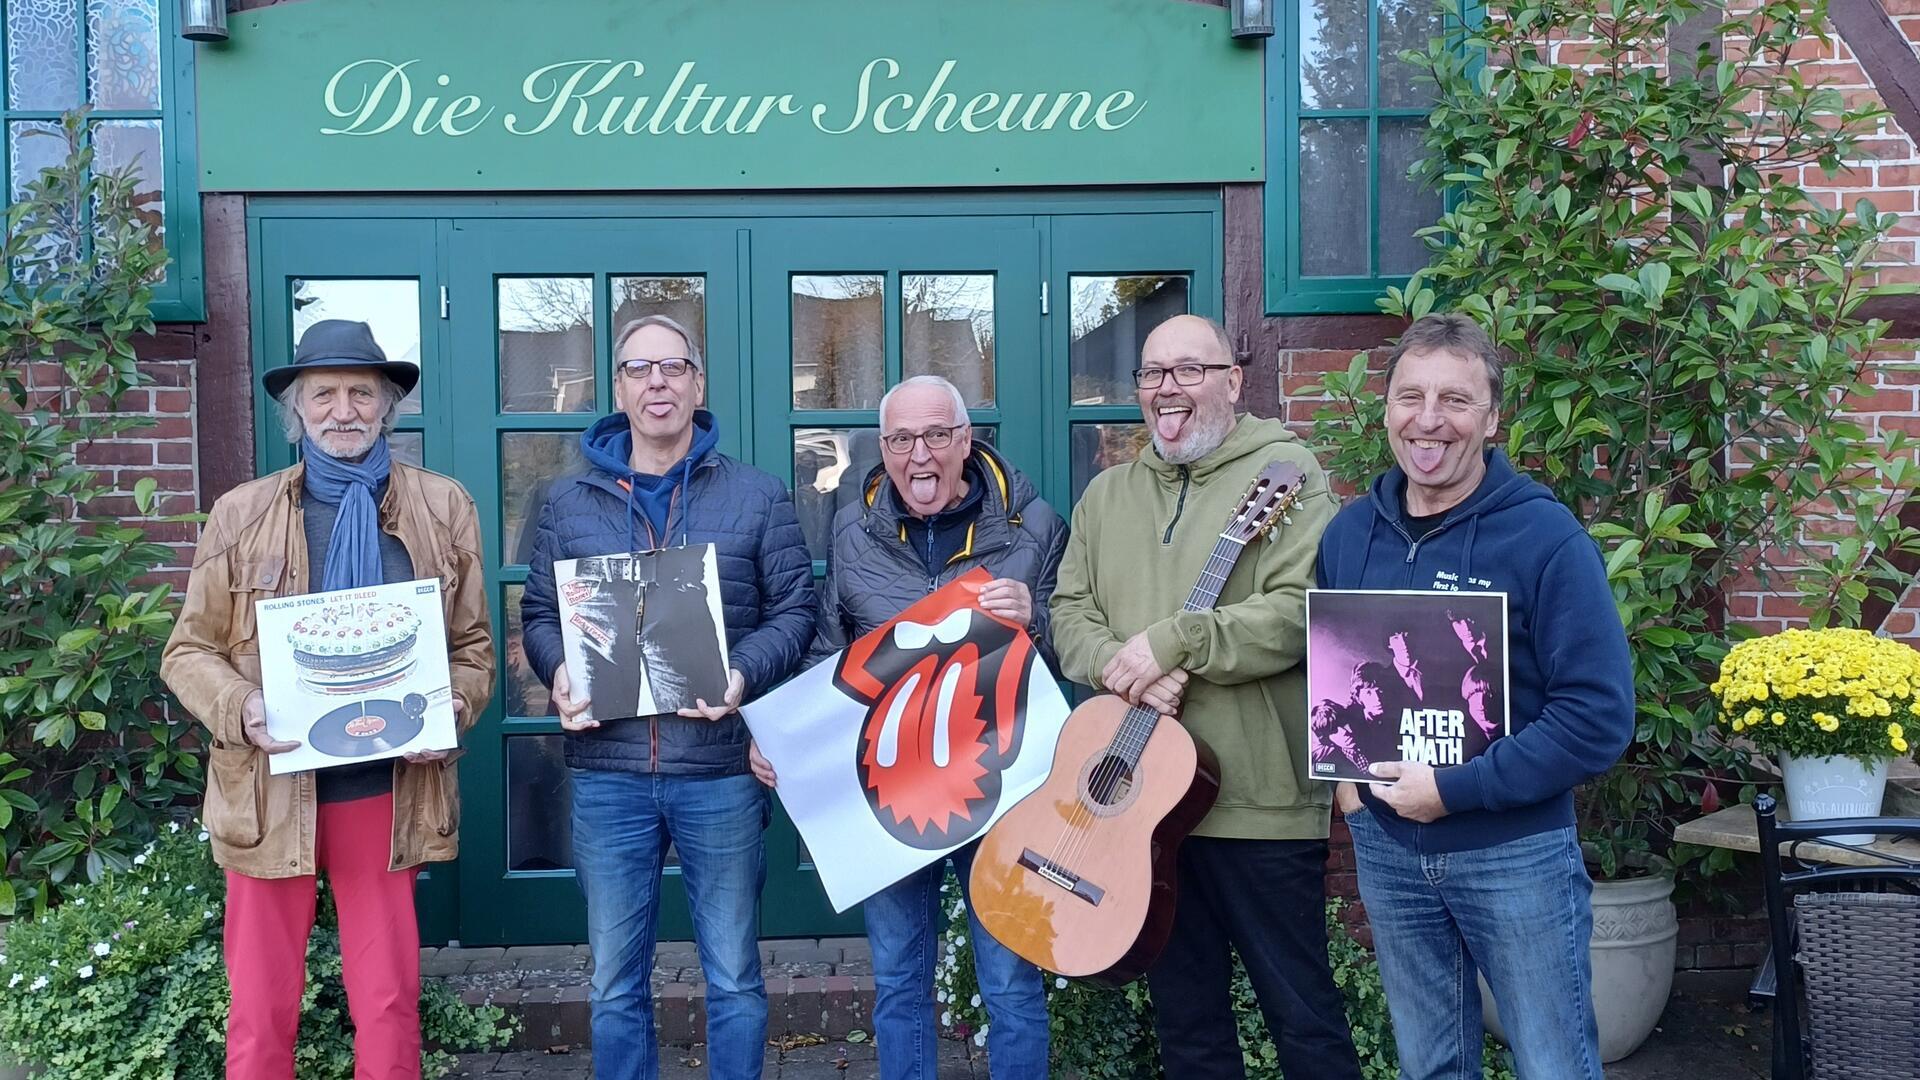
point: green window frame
(180, 296)
(1289, 290)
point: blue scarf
(353, 553)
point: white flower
(976, 1001)
(15, 981)
(1059, 982)
(203, 836)
(79, 901)
(980, 1037)
(140, 859)
(53, 963)
(86, 971)
(946, 1019)
(173, 826)
(144, 890)
(102, 949)
(38, 984)
(189, 888)
(209, 914)
(939, 995)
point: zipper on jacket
(1180, 505)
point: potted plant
(1831, 706)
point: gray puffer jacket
(873, 573)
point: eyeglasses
(1147, 378)
(672, 367)
(901, 442)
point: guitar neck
(1131, 740)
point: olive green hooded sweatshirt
(1140, 536)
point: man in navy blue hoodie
(655, 480)
(1477, 866)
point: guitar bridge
(1063, 877)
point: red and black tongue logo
(945, 686)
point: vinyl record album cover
(643, 633)
(1403, 676)
(356, 674)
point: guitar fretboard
(1131, 740)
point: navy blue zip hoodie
(1571, 698)
(608, 445)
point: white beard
(1209, 431)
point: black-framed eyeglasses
(1147, 378)
(672, 367)
(901, 442)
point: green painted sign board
(596, 95)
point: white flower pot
(1635, 929)
(1833, 787)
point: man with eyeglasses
(1252, 877)
(654, 479)
(938, 506)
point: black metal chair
(1849, 936)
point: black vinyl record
(369, 727)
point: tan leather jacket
(254, 547)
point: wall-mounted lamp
(1252, 18)
(206, 20)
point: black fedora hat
(339, 343)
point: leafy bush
(1685, 340)
(87, 758)
(124, 981)
(1100, 1033)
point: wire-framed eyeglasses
(901, 442)
(1147, 378)
(672, 367)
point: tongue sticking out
(1427, 458)
(1169, 425)
(923, 488)
(660, 408)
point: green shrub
(1100, 1033)
(88, 759)
(124, 981)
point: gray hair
(933, 381)
(634, 326)
(295, 425)
(1454, 333)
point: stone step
(818, 986)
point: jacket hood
(608, 444)
(1250, 435)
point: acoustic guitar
(1078, 877)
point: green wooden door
(534, 308)
(809, 309)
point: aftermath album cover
(1403, 676)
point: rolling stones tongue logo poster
(945, 685)
(911, 741)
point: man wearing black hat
(347, 516)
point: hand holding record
(426, 757)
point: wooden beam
(223, 367)
(1885, 55)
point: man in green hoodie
(1252, 878)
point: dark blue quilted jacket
(766, 592)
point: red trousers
(268, 922)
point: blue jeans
(1520, 913)
(622, 824)
(904, 924)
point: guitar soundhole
(1110, 782)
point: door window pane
(1333, 198)
(829, 466)
(1405, 26)
(123, 53)
(1406, 205)
(43, 54)
(1099, 447)
(682, 299)
(1333, 54)
(136, 143)
(526, 695)
(839, 341)
(391, 306)
(1111, 318)
(408, 446)
(946, 329)
(539, 793)
(33, 145)
(546, 344)
(530, 461)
